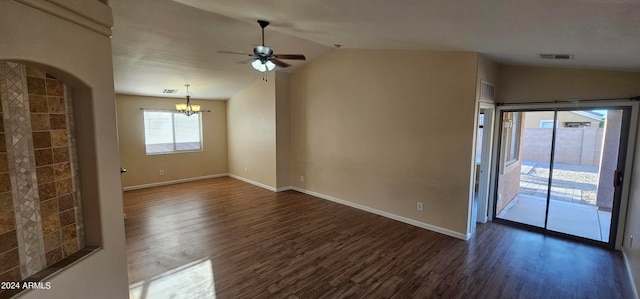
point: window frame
(173, 133)
(513, 132)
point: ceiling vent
(169, 91)
(556, 56)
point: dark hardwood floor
(227, 238)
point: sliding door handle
(617, 178)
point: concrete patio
(572, 208)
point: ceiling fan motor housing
(262, 51)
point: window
(170, 132)
(546, 124)
(512, 137)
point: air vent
(556, 56)
(487, 91)
(169, 91)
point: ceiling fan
(265, 59)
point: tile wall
(49, 126)
(40, 213)
(9, 254)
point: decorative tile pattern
(8, 260)
(17, 125)
(56, 104)
(52, 124)
(65, 202)
(57, 121)
(5, 182)
(59, 138)
(54, 88)
(45, 174)
(48, 208)
(40, 121)
(7, 222)
(51, 241)
(8, 241)
(39, 182)
(38, 104)
(4, 164)
(36, 85)
(34, 72)
(72, 157)
(61, 154)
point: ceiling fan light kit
(263, 66)
(265, 59)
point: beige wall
(251, 123)
(44, 40)
(521, 84)
(283, 130)
(632, 227)
(527, 84)
(487, 72)
(143, 169)
(387, 133)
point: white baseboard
(284, 188)
(629, 273)
(253, 182)
(319, 195)
(128, 188)
(387, 214)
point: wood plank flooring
(229, 239)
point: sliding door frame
(631, 131)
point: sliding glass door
(559, 170)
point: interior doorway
(560, 170)
(484, 141)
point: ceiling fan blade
(280, 63)
(237, 53)
(290, 56)
(245, 61)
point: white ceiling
(160, 44)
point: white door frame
(485, 158)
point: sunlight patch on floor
(194, 280)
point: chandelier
(187, 108)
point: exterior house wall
(509, 176)
(609, 163)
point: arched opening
(48, 179)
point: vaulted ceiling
(163, 44)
